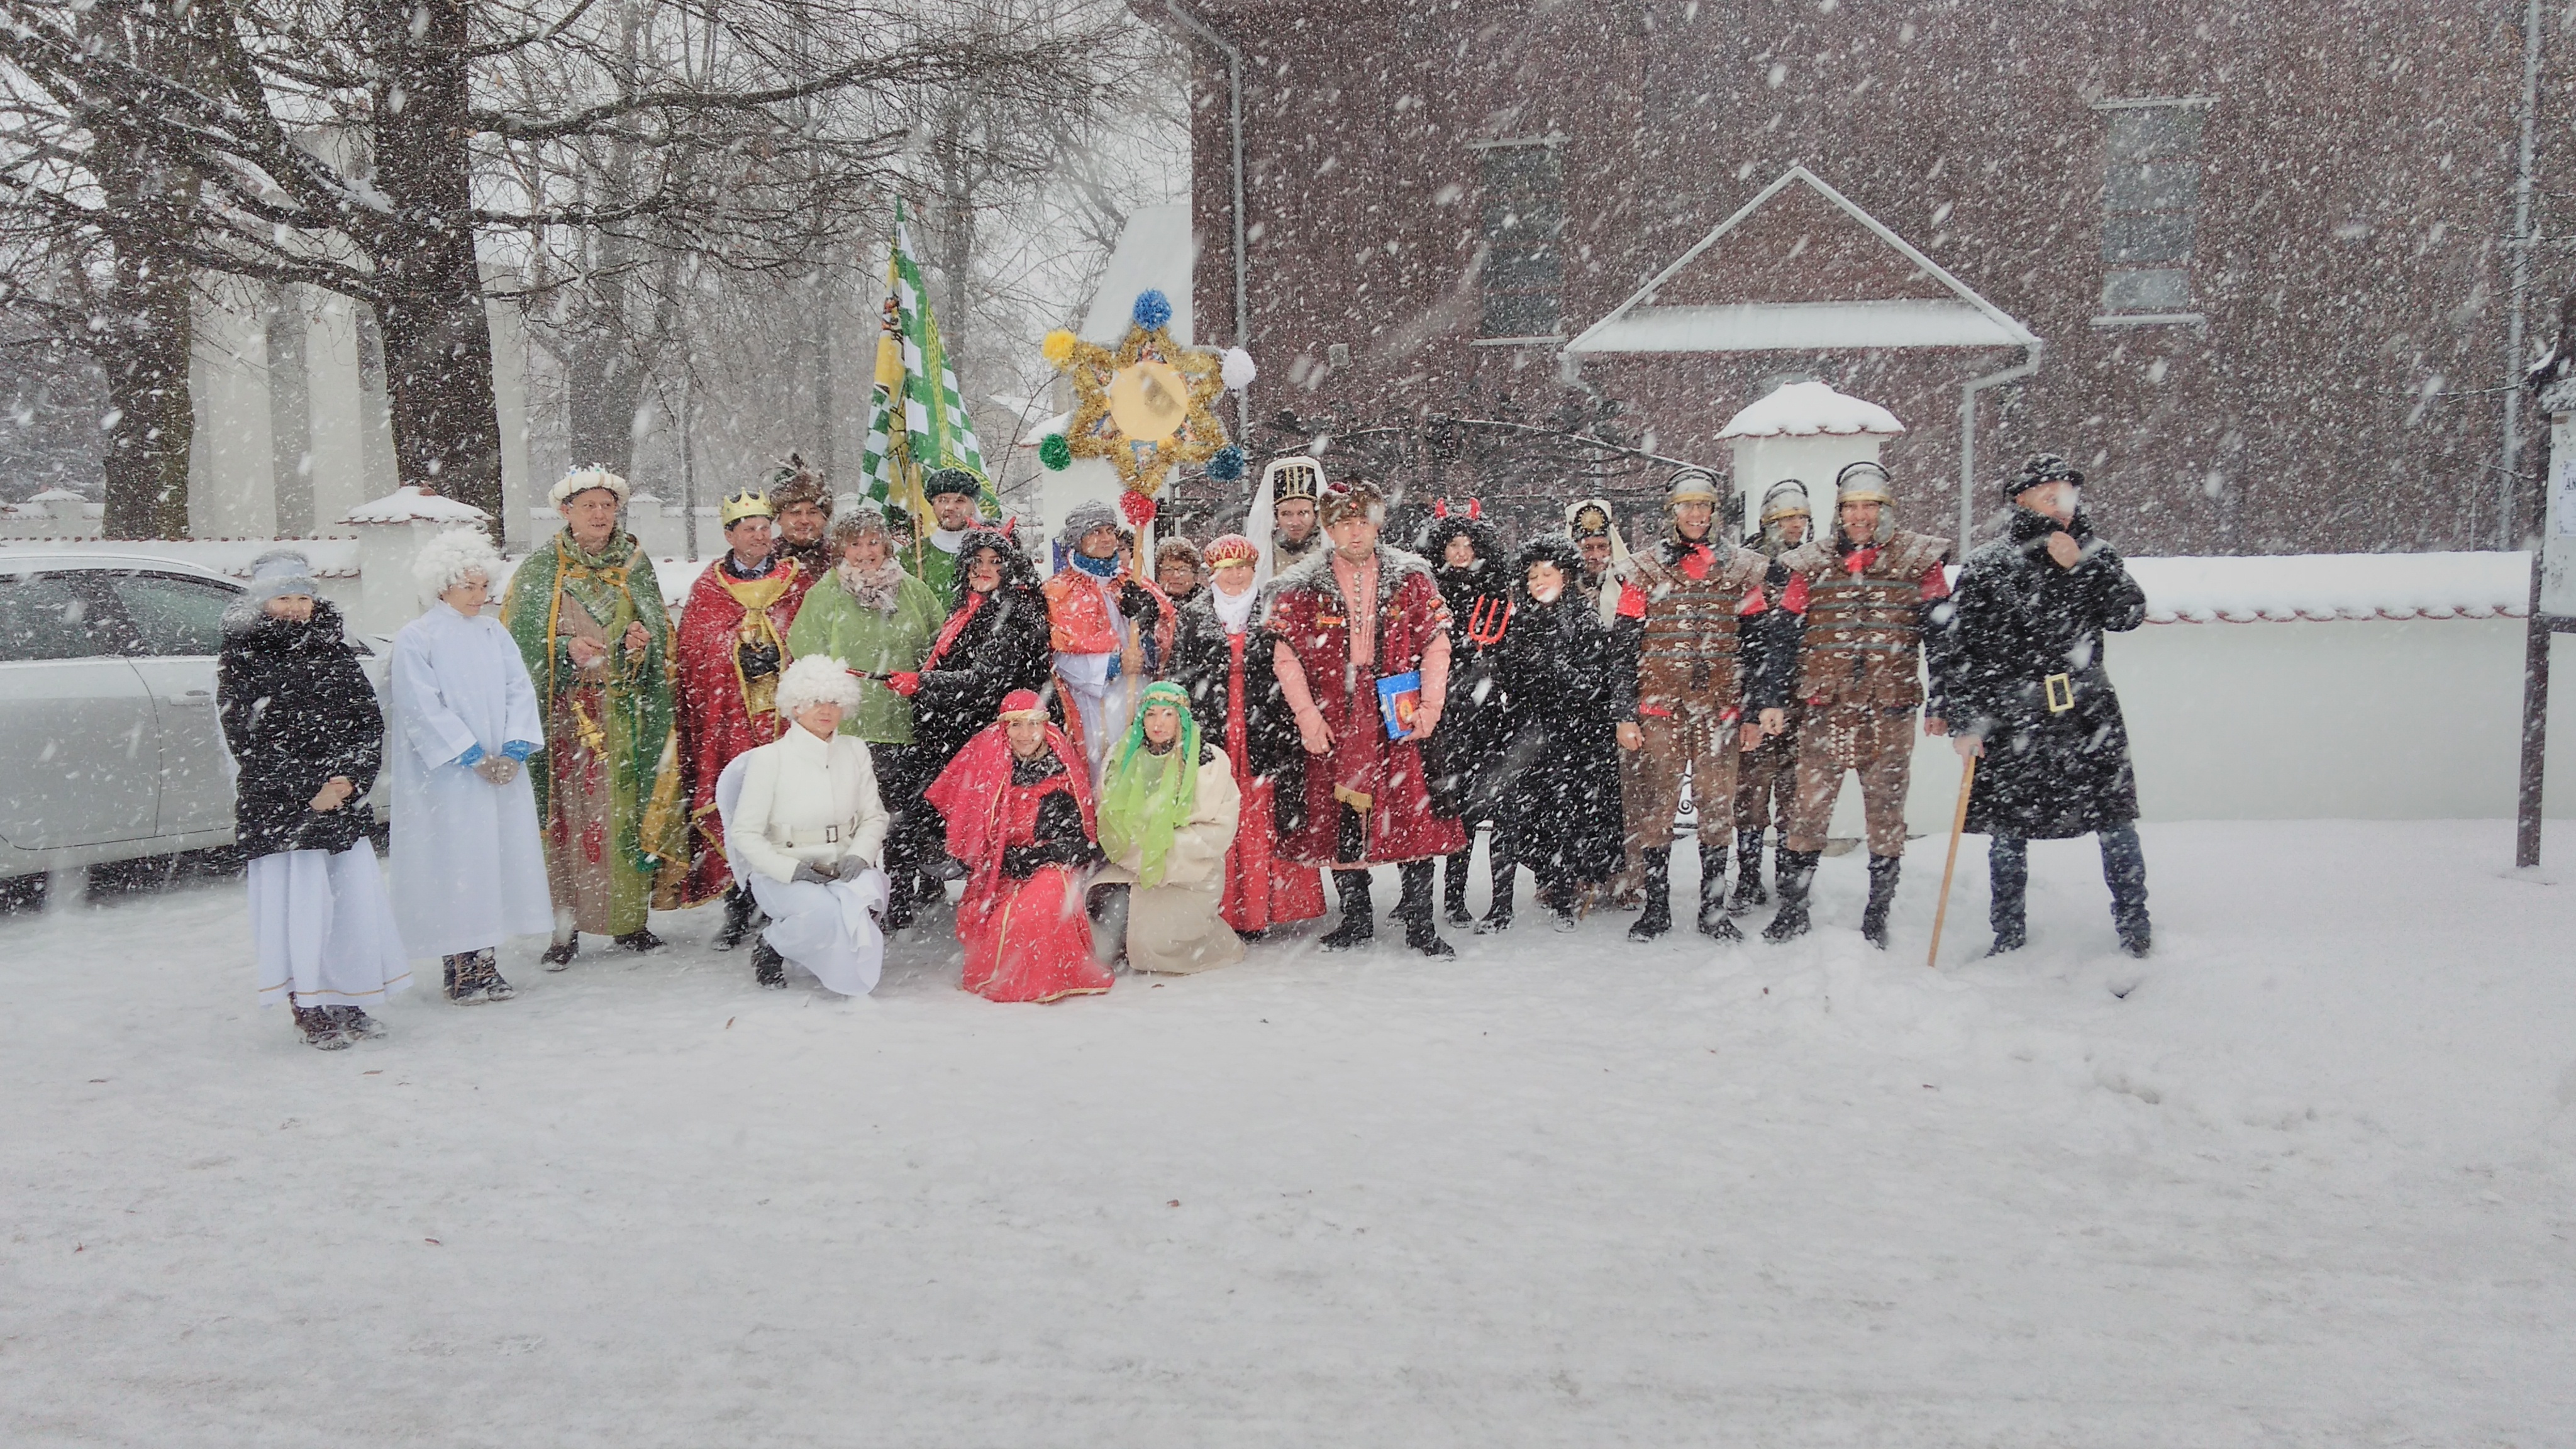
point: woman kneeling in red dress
(1020, 819)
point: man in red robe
(1020, 818)
(1345, 619)
(732, 650)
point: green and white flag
(916, 421)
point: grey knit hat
(1082, 518)
(280, 572)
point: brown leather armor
(1864, 633)
(1691, 645)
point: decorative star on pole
(1148, 406)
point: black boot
(640, 941)
(559, 955)
(1882, 894)
(737, 921)
(767, 966)
(1453, 885)
(355, 1024)
(459, 970)
(487, 969)
(2124, 870)
(1413, 907)
(1506, 872)
(1797, 872)
(1748, 873)
(2008, 878)
(1659, 895)
(1712, 895)
(1359, 924)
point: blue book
(1398, 698)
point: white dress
(321, 930)
(805, 800)
(469, 869)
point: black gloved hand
(1136, 601)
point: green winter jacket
(831, 622)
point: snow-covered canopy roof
(2327, 586)
(408, 504)
(1807, 409)
(57, 495)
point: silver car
(109, 744)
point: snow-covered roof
(57, 495)
(1962, 319)
(1807, 409)
(1037, 431)
(1156, 251)
(408, 504)
(2327, 586)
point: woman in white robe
(808, 830)
(1168, 809)
(468, 868)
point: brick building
(2263, 256)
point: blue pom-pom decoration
(1153, 309)
(1227, 465)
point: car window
(174, 615)
(43, 617)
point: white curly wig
(816, 679)
(446, 560)
(582, 480)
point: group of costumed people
(1149, 762)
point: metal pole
(2508, 477)
(1242, 258)
(688, 461)
(2535, 726)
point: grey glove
(812, 874)
(498, 769)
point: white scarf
(877, 588)
(946, 540)
(1233, 610)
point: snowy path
(2309, 1184)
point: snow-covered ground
(2309, 1183)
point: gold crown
(746, 504)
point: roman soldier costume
(1697, 658)
(1868, 606)
(1767, 775)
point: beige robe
(1173, 928)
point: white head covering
(816, 679)
(582, 480)
(446, 560)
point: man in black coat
(2029, 694)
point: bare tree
(362, 146)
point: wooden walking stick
(1958, 823)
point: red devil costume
(732, 650)
(1343, 624)
(1024, 829)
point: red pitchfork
(1485, 624)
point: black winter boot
(2124, 869)
(355, 1024)
(640, 941)
(1797, 872)
(1882, 894)
(487, 969)
(1359, 924)
(559, 954)
(1712, 895)
(767, 966)
(1453, 885)
(1506, 871)
(1748, 873)
(737, 918)
(1413, 907)
(2008, 877)
(1658, 918)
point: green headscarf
(1149, 797)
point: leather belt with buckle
(2061, 693)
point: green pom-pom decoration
(1055, 452)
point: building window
(1524, 192)
(2150, 206)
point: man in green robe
(879, 621)
(588, 615)
(955, 497)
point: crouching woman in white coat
(807, 831)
